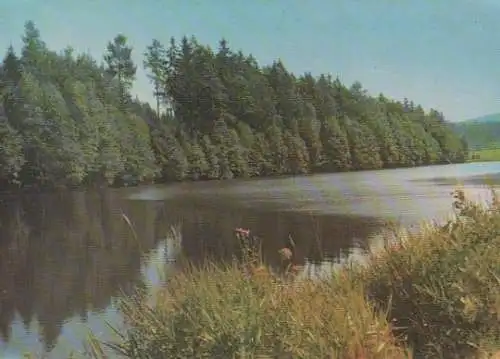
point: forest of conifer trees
(68, 119)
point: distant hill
(481, 132)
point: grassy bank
(485, 155)
(435, 294)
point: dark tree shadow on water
(209, 233)
(64, 254)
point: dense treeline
(66, 119)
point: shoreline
(36, 189)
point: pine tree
(118, 58)
(156, 62)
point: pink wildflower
(285, 253)
(242, 231)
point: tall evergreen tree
(156, 62)
(118, 58)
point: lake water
(79, 250)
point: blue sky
(440, 53)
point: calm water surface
(66, 258)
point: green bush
(442, 286)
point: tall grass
(443, 284)
(435, 294)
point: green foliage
(68, 120)
(307, 124)
(171, 156)
(442, 286)
(155, 63)
(64, 121)
(11, 155)
(120, 64)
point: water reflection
(487, 179)
(318, 237)
(65, 257)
